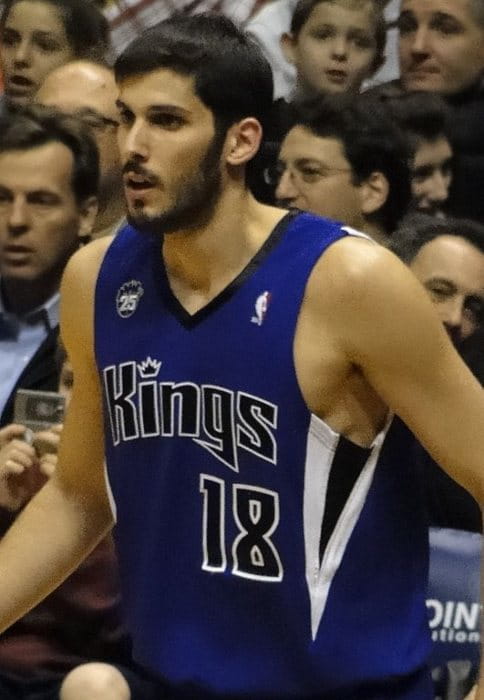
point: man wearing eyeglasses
(344, 159)
(87, 90)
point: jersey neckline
(190, 320)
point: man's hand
(19, 468)
(14, 430)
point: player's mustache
(133, 167)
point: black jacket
(466, 127)
(41, 374)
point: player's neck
(110, 214)
(200, 263)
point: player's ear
(243, 141)
(88, 213)
(373, 193)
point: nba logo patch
(128, 297)
(261, 307)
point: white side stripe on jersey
(321, 448)
(109, 491)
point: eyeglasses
(300, 172)
(96, 121)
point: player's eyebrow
(157, 109)
(305, 161)
(168, 108)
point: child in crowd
(38, 36)
(335, 45)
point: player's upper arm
(81, 454)
(388, 328)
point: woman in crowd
(40, 35)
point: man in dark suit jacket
(41, 374)
(73, 644)
(48, 184)
(447, 256)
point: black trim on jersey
(191, 320)
(348, 463)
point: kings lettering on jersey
(218, 419)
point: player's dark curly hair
(231, 76)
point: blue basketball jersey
(262, 555)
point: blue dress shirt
(20, 338)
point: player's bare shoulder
(365, 306)
(78, 289)
(356, 280)
(82, 269)
(346, 266)
(86, 262)
(339, 278)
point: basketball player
(270, 534)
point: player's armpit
(388, 327)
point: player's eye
(167, 120)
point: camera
(38, 410)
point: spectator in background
(73, 644)
(40, 35)
(48, 186)
(88, 91)
(440, 46)
(346, 160)
(274, 19)
(447, 256)
(441, 49)
(424, 119)
(335, 45)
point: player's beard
(195, 198)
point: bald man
(88, 90)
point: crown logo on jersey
(261, 307)
(128, 297)
(149, 368)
